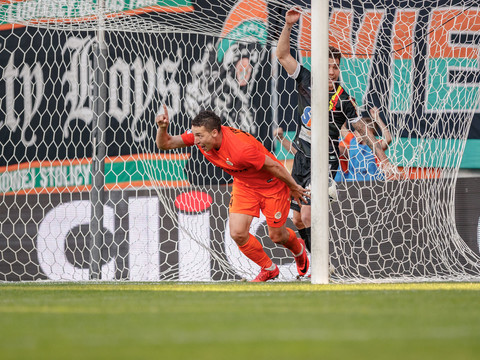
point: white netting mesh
(69, 100)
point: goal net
(86, 195)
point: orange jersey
(240, 155)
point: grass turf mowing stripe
(236, 287)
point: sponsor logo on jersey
(307, 117)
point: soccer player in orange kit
(260, 183)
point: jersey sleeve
(303, 77)
(188, 138)
(296, 72)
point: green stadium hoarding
(75, 175)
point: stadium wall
(138, 248)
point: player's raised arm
(283, 46)
(164, 140)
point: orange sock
(293, 244)
(254, 251)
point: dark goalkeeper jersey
(342, 109)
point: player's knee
(306, 220)
(297, 220)
(240, 237)
(278, 236)
(298, 223)
(306, 216)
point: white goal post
(86, 195)
(320, 206)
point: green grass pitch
(239, 321)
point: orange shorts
(275, 204)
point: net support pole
(320, 112)
(99, 125)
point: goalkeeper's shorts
(301, 173)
